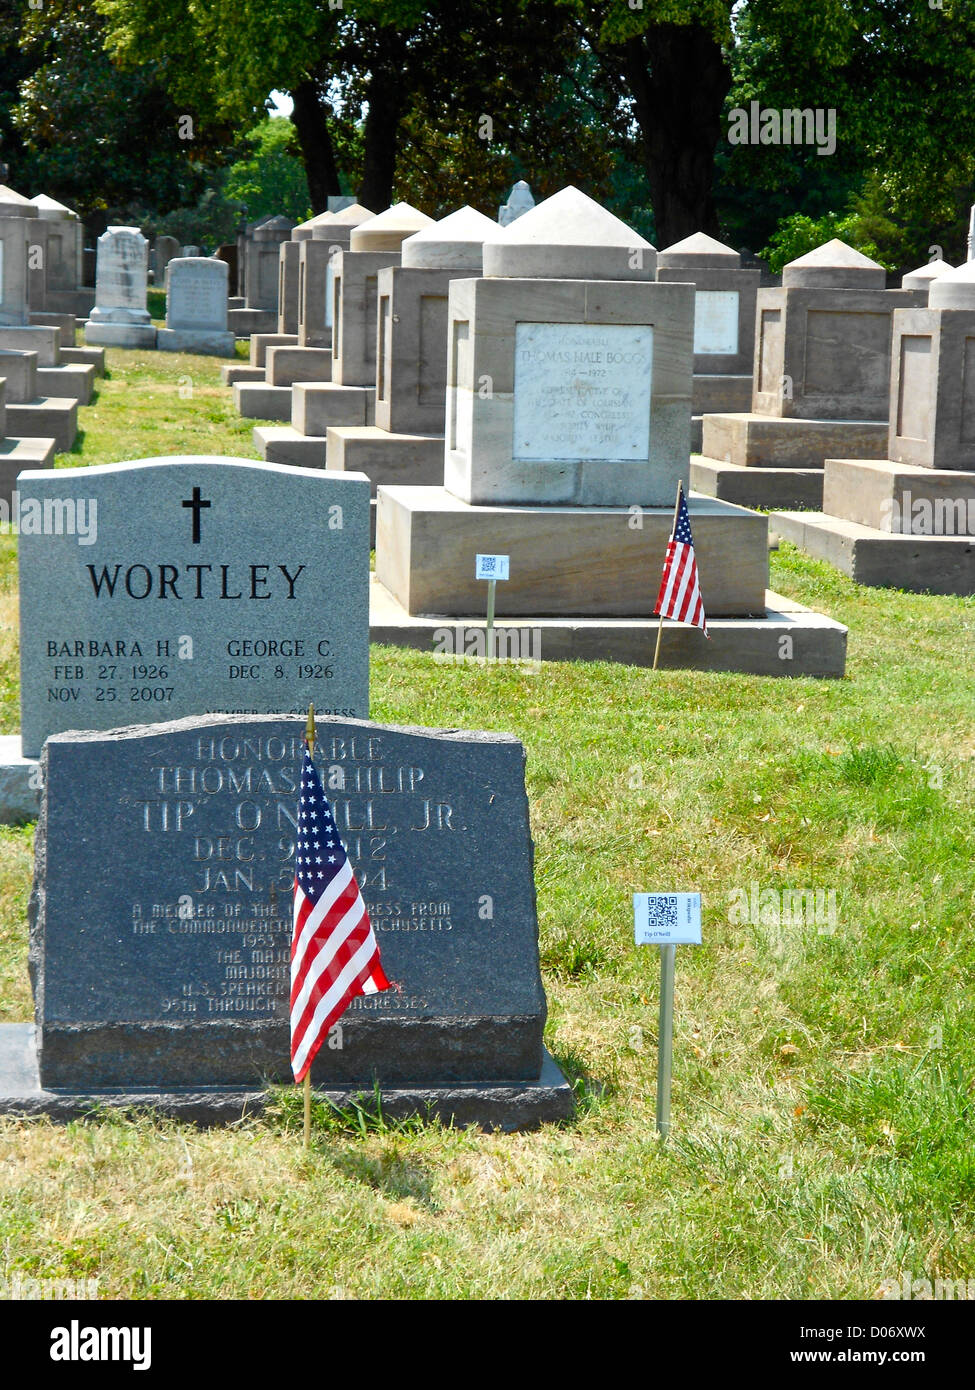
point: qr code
(661, 910)
(488, 564)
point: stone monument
(120, 317)
(822, 369)
(909, 520)
(567, 430)
(406, 443)
(348, 396)
(519, 202)
(724, 323)
(278, 360)
(196, 308)
(168, 987)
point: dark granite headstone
(161, 908)
(171, 587)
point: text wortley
(164, 581)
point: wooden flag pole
(310, 739)
(660, 626)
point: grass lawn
(823, 1138)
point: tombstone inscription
(180, 977)
(169, 587)
(196, 308)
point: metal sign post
(666, 920)
(492, 568)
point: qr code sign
(491, 567)
(667, 919)
(661, 911)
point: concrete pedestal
(786, 640)
(571, 561)
(209, 344)
(891, 524)
(782, 453)
(123, 335)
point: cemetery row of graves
(536, 389)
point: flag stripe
(680, 592)
(334, 952)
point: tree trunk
(310, 120)
(386, 99)
(678, 78)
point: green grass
(823, 1080)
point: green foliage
(271, 179)
(797, 234)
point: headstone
(586, 402)
(196, 308)
(339, 202)
(187, 252)
(14, 280)
(120, 317)
(923, 277)
(64, 243)
(568, 414)
(177, 586)
(174, 975)
(519, 202)
(261, 275)
(166, 250)
(18, 229)
(971, 235)
(820, 384)
(406, 442)
(908, 520)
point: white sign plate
(716, 322)
(582, 392)
(667, 919)
(492, 567)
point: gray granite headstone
(169, 587)
(161, 908)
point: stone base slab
(520, 1105)
(283, 444)
(286, 365)
(792, 488)
(900, 497)
(713, 392)
(19, 801)
(565, 561)
(320, 405)
(46, 417)
(764, 441)
(229, 376)
(920, 564)
(786, 640)
(385, 457)
(74, 380)
(257, 401)
(94, 357)
(208, 344)
(245, 322)
(260, 342)
(120, 335)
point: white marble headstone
(716, 322)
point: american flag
(680, 592)
(334, 954)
